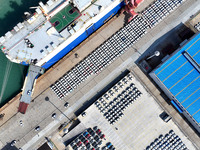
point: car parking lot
(168, 141)
(114, 47)
(91, 138)
(114, 102)
(140, 123)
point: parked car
(29, 92)
(37, 128)
(87, 136)
(116, 89)
(106, 96)
(94, 144)
(108, 145)
(88, 145)
(111, 92)
(91, 132)
(79, 143)
(81, 138)
(85, 133)
(53, 115)
(95, 128)
(165, 117)
(66, 104)
(102, 136)
(83, 114)
(13, 143)
(86, 142)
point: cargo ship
(54, 29)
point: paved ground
(39, 112)
(139, 126)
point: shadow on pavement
(100, 93)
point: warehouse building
(179, 78)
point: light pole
(47, 99)
(156, 53)
(135, 49)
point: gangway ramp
(28, 88)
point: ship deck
(42, 41)
(49, 34)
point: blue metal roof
(182, 79)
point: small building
(179, 78)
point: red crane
(130, 5)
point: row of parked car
(118, 98)
(169, 141)
(101, 57)
(90, 139)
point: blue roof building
(179, 78)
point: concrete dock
(39, 111)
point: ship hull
(82, 36)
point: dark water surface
(12, 75)
(12, 12)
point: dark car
(88, 145)
(92, 133)
(129, 77)
(79, 143)
(106, 96)
(81, 138)
(76, 140)
(100, 142)
(111, 92)
(98, 131)
(116, 88)
(165, 117)
(94, 144)
(96, 138)
(102, 136)
(86, 142)
(75, 147)
(87, 136)
(72, 143)
(89, 129)
(124, 80)
(95, 128)
(120, 84)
